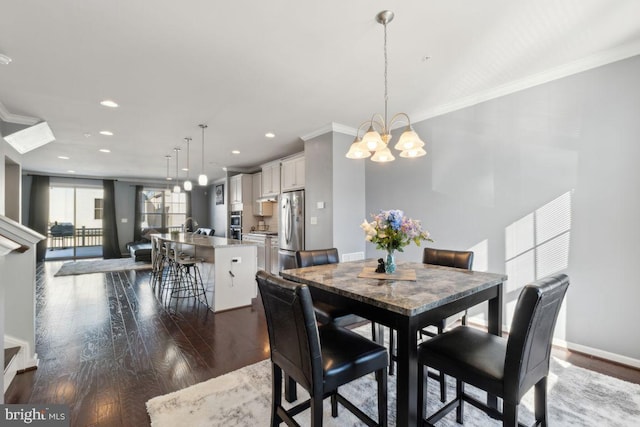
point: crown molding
(571, 68)
(330, 127)
(8, 117)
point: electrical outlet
(236, 259)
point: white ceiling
(290, 67)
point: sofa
(140, 250)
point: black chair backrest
(293, 332)
(529, 344)
(317, 257)
(448, 258)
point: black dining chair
(325, 312)
(319, 358)
(445, 258)
(503, 367)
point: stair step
(9, 354)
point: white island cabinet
(228, 267)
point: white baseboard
(595, 352)
(602, 354)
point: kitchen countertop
(202, 240)
(263, 233)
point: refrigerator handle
(287, 221)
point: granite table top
(202, 240)
(434, 285)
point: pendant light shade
(202, 178)
(188, 186)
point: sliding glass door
(75, 222)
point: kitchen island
(227, 266)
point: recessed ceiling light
(270, 135)
(109, 103)
(185, 169)
(169, 178)
(105, 150)
(63, 157)
(4, 59)
(106, 133)
(235, 152)
(71, 171)
(224, 168)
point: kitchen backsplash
(270, 221)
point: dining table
(415, 296)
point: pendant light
(376, 140)
(168, 157)
(202, 179)
(187, 183)
(176, 186)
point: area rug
(101, 266)
(577, 397)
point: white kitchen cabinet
(271, 179)
(292, 173)
(260, 208)
(240, 191)
(257, 185)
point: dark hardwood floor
(107, 345)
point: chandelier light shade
(375, 142)
(202, 178)
(176, 186)
(188, 186)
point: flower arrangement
(391, 231)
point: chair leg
(509, 414)
(460, 408)
(276, 394)
(540, 399)
(334, 404)
(443, 388)
(316, 410)
(290, 389)
(381, 378)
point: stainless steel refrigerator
(291, 231)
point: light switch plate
(320, 205)
(313, 220)
(124, 220)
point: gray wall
(348, 197)
(538, 181)
(319, 188)
(338, 182)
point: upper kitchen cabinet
(260, 208)
(292, 173)
(271, 179)
(240, 191)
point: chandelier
(376, 140)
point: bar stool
(183, 279)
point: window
(163, 208)
(98, 208)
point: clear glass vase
(390, 265)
